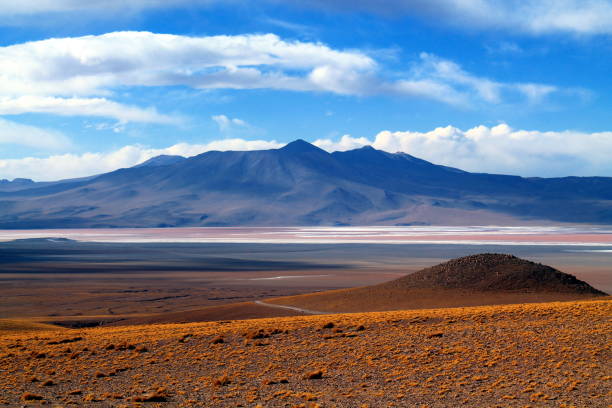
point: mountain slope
(301, 184)
(161, 160)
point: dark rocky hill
(476, 280)
(495, 272)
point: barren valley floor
(53, 281)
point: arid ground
(549, 354)
(171, 328)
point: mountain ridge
(301, 184)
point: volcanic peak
(301, 146)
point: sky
(500, 86)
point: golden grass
(549, 354)
(14, 325)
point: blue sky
(518, 87)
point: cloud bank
(498, 149)
(78, 75)
(95, 64)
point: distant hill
(495, 272)
(301, 184)
(16, 184)
(483, 279)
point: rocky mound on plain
(495, 272)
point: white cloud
(499, 149)
(577, 16)
(75, 76)
(346, 142)
(584, 17)
(451, 74)
(13, 133)
(79, 165)
(228, 124)
(72, 75)
(91, 65)
(116, 127)
(429, 89)
(81, 107)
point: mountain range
(300, 184)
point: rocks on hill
(495, 272)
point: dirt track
(296, 309)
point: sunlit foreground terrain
(547, 354)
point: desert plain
(197, 323)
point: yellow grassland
(547, 354)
